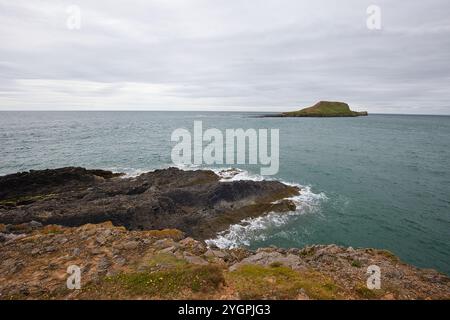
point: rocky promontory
(143, 238)
(198, 203)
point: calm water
(380, 181)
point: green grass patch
(279, 282)
(166, 260)
(168, 283)
(366, 293)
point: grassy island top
(325, 109)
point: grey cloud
(235, 55)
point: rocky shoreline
(143, 238)
(198, 203)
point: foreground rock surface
(196, 202)
(120, 264)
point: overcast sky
(225, 55)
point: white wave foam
(129, 172)
(235, 174)
(259, 228)
(225, 173)
(135, 173)
(248, 230)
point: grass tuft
(366, 293)
(279, 282)
(169, 283)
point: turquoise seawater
(380, 181)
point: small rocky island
(324, 109)
(143, 238)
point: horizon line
(222, 111)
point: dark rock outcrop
(42, 182)
(196, 202)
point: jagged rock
(168, 249)
(19, 185)
(268, 258)
(119, 260)
(35, 225)
(50, 249)
(76, 252)
(103, 264)
(194, 259)
(163, 243)
(130, 245)
(101, 239)
(12, 237)
(216, 253)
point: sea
(381, 181)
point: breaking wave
(251, 229)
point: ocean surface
(380, 181)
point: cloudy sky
(224, 55)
